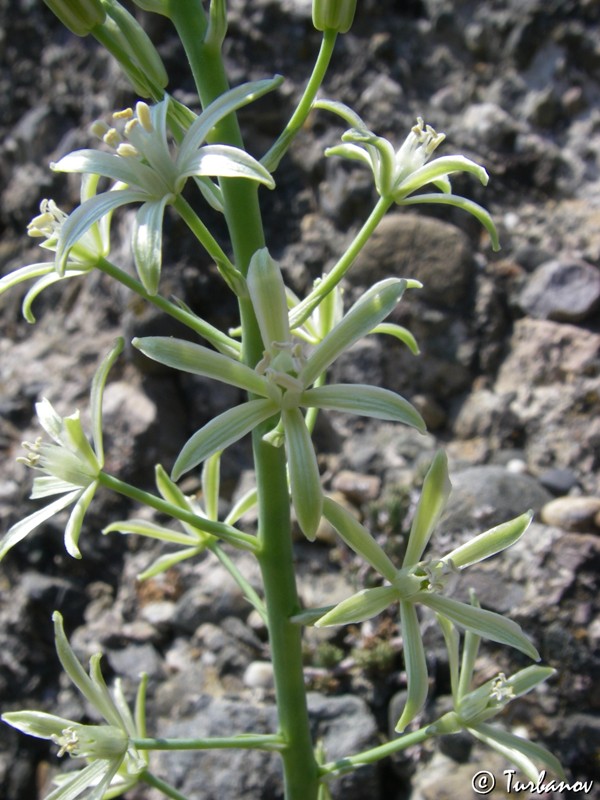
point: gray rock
(571, 513)
(562, 290)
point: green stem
(343, 765)
(329, 281)
(248, 591)
(274, 155)
(244, 741)
(163, 786)
(243, 217)
(229, 534)
(216, 337)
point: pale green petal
(42, 284)
(368, 401)
(521, 752)
(434, 496)
(211, 193)
(50, 420)
(222, 431)
(224, 161)
(361, 606)
(82, 218)
(47, 485)
(267, 292)
(146, 242)
(76, 441)
(452, 640)
(352, 152)
(305, 482)
(97, 774)
(489, 543)
(96, 394)
(143, 527)
(438, 168)
(247, 502)
(19, 530)
(129, 171)
(163, 563)
(342, 110)
(486, 624)
(398, 332)
(415, 663)
(191, 357)
(480, 213)
(37, 723)
(73, 528)
(211, 480)
(25, 274)
(364, 315)
(229, 101)
(358, 538)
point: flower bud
(156, 6)
(79, 16)
(336, 15)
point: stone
(357, 487)
(572, 513)
(259, 675)
(562, 290)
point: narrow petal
(436, 169)
(82, 218)
(364, 315)
(73, 529)
(398, 332)
(163, 563)
(489, 543)
(21, 529)
(353, 152)
(47, 485)
(434, 496)
(305, 482)
(42, 284)
(229, 101)
(191, 357)
(521, 752)
(222, 431)
(211, 481)
(50, 420)
(361, 606)
(480, 213)
(97, 774)
(415, 663)
(267, 292)
(486, 624)
(146, 242)
(452, 640)
(224, 161)
(143, 527)
(96, 394)
(124, 170)
(358, 538)
(367, 401)
(25, 274)
(342, 110)
(37, 723)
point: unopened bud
(79, 16)
(336, 15)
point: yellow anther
(127, 113)
(112, 137)
(127, 150)
(143, 114)
(99, 128)
(131, 125)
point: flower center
(68, 742)
(48, 222)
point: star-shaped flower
(400, 173)
(282, 381)
(422, 582)
(114, 765)
(474, 707)
(146, 169)
(71, 465)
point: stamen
(99, 128)
(112, 137)
(133, 123)
(68, 741)
(143, 113)
(127, 113)
(127, 150)
(501, 692)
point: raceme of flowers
(71, 465)
(281, 382)
(146, 169)
(114, 765)
(399, 174)
(423, 582)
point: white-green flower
(71, 465)
(474, 707)
(83, 257)
(114, 765)
(149, 170)
(283, 382)
(400, 173)
(423, 582)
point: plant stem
(163, 786)
(229, 534)
(267, 741)
(274, 155)
(242, 214)
(329, 281)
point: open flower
(281, 382)
(114, 765)
(400, 173)
(71, 465)
(474, 707)
(147, 171)
(83, 257)
(423, 582)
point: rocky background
(507, 380)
